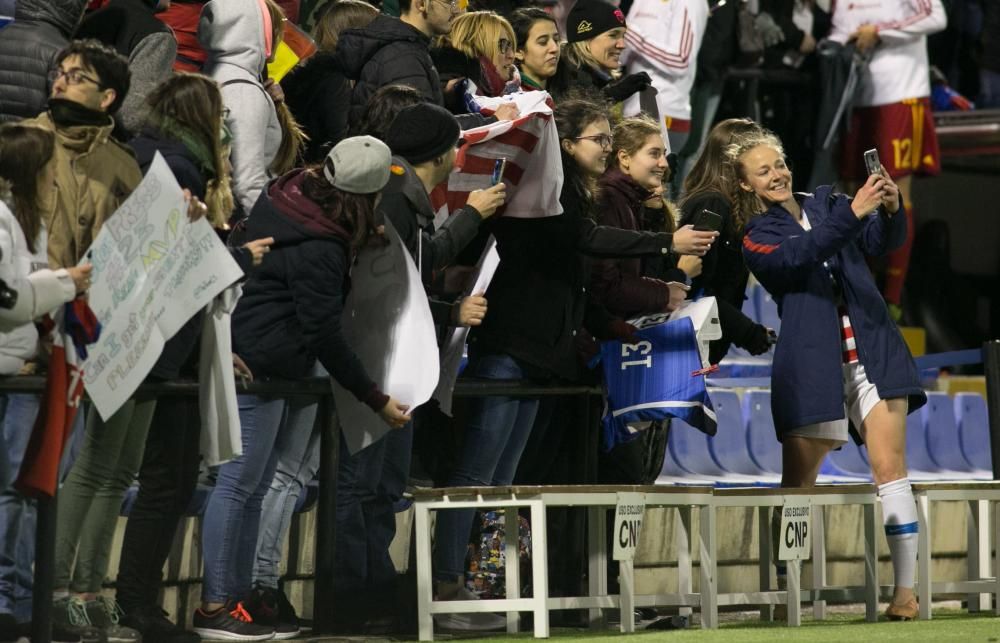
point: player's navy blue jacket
(807, 380)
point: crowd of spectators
(300, 174)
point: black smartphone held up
(872, 164)
(498, 169)
(708, 221)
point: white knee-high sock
(899, 516)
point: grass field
(947, 625)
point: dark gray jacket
(387, 52)
(28, 47)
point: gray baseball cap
(359, 165)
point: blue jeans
(232, 517)
(17, 512)
(494, 439)
(989, 89)
(369, 483)
(297, 452)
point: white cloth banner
(454, 346)
(153, 270)
(533, 175)
(388, 323)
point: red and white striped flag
(530, 144)
(73, 326)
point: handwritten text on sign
(794, 537)
(628, 524)
(153, 270)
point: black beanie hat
(422, 132)
(589, 18)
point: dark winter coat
(619, 284)
(28, 48)
(724, 273)
(131, 27)
(807, 379)
(406, 204)
(319, 95)
(386, 52)
(538, 298)
(290, 312)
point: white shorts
(860, 397)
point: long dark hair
(24, 152)
(189, 106)
(353, 212)
(714, 171)
(572, 117)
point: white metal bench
(981, 497)
(764, 500)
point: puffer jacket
(28, 48)
(94, 176)
(387, 52)
(233, 36)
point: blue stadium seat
(761, 441)
(943, 445)
(849, 460)
(973, 430)
(729, 445)
(671, 468)
(690, 448)
(917, 457)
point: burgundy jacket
(618, 284)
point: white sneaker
(470, 621)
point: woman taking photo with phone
(711, 185)
(840, 363)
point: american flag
(73, 326)
(849, 346)
(533, 174)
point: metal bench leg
(764, 556)
(707, 553)
(540, 570)
(425, 585)
(626, 595)
(996, 558)
(793, 597)
(871, 565)
(818, 559)
(682, 530)
(512, 567)
(597, 561)
(979, 551)
(924, 556)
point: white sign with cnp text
(796, 528)
(628, 524)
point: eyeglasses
(504, 46)
(451, 4)
(604, 140)
(72, 76)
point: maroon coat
(618, 284)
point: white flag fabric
(388, 322)
(530, 144)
